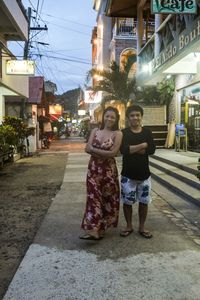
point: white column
(107, 28)
(140, 29)
(158, 21)
(2, 106)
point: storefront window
(190, 115)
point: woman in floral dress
(102, 206)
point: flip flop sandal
(126, 233)
(146, 234)
(89, 237)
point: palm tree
(115, 82)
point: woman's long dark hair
(116, 125)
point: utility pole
(26, 52)
(26, 47)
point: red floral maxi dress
(102, 206)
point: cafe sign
(173, 6)
(180, 42)
(20, 67)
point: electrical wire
(64, 59)
(67, 56)
(67, 20)
(43, 55)
(41, 7)
(38, 3)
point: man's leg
(127, 209)
(142, 211)
(144, 198)
(128, 192)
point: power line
(37, 10)
(67, 20)
(65, 62)
(41, 7)
(65, 72)
(70, 29)
(65, 59)
(67, 56)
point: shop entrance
(190, 115)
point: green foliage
(69, 100)
(148, 95)
(14, 131)
(115, 82)
(165, 89)
(7, 135)
(161, 94)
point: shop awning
(36, 90)
(53, 118)
(118, 8)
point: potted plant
(22, 132)
(7, 143)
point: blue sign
(173, 6)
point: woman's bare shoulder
(118, 132)
(94, 130)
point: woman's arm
(90, 140)
(109, 153)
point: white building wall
(4, 92)
(17, 16)
(104, 25)
(2, 106)
(16, 83)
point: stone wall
(154, 115)
(119, 45)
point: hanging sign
(93, 97)
(173, 6)
(20, 67)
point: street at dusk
(99, 150)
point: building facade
(13, 27)
(172, 50)
(113, 39)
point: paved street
(58, 265)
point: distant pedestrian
(137, 145)
(103, 195)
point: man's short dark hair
(134, 108)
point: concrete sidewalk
(58, 265)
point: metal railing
(127, 28)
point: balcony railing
(125, 30)
(128, 28)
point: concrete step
(178, 173)
(179, 181)
(183, 165)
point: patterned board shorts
(133, 191)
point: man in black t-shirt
(137, 145)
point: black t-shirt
(136, 166)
